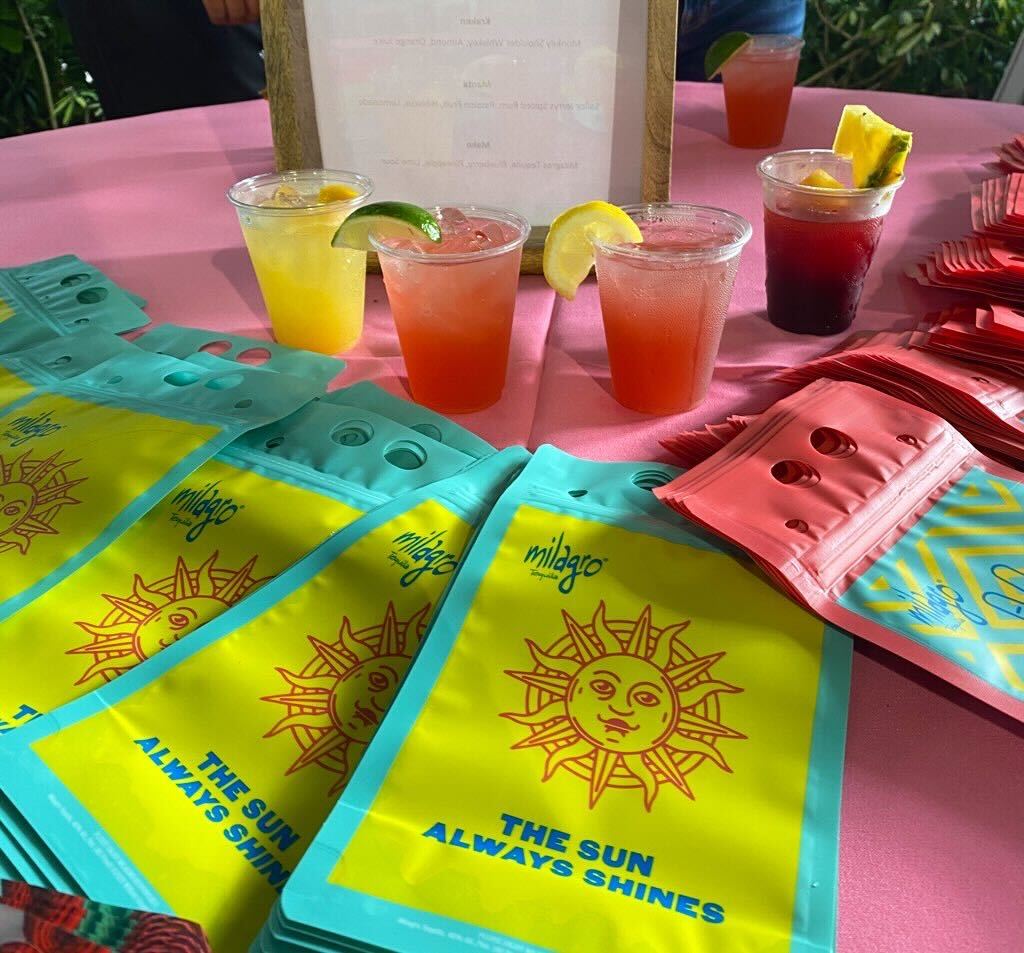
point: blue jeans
(701, 22)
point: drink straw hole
(428, 430)
(68, 280)
(226, 382)
(216, 348)
(242, 404)
(254, 356)
(181, 378)
(908, 439)
(799, 525)
(116, 379)
(577, 494)
(981, 380)
(91, 295)
(650, 479)
(352, 433)
(61, 361)
(81, 321)
(405, 455)
(273, 443)
(832, 443)
(795, 473)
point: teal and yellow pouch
(65, 294)
(240, 519)
(53, 359)
(616, 737)
(211, 766)
(82, 459)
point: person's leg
(150, 55)
(701, 22)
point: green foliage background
(941, 47)
(42, 83)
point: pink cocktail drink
(758, 85)
(453, 303)
(664, 303)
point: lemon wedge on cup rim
(569, 246)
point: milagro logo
(558, 560)
(200, 507)
(23, 429)
(419, 553)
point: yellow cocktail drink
(313, 292)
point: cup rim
(494, 213)
(775, 44)
(739, 223)
(364, 182)
(845, 192)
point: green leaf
(11, 39)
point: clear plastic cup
(758, 86)
(664, 303)
(313, 292)
(453, 305)
(818, 242)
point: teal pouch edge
(59, 358)
(427, 422)
(340, 442)
(67, 294)
(613, 490)
(185, 342)
(91, 856)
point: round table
(932, 849)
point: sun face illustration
(155, 615)
(336, 702)
(623, 704)
(32, 493)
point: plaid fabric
(102, 926)
(21, 932)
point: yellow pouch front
(83, 459)
(211, 766)
(236, 522)
(617, 738)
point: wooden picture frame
(290, 89)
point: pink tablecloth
(932, 853)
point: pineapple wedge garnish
(877, 148)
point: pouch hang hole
(215, 348)
(352, 433)
(254, 356)
(795, 473)
(650, 479)
(429, 431)
(91, 295)
(405, 455)
(225, 383)
(833, 443)
(181, 378)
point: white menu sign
(533, 105)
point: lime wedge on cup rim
(723, 50)
(385, 220)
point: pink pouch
(695, 446)
(986, 405)
(881, 518)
